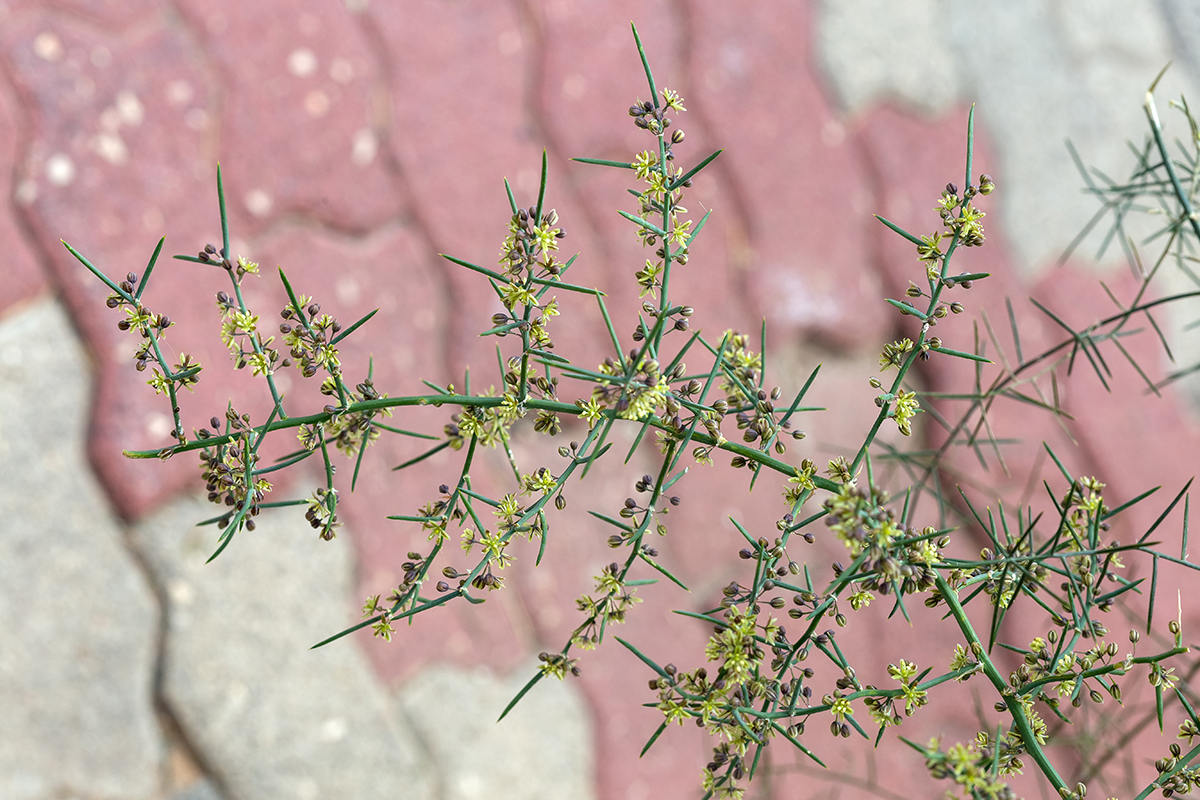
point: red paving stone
(458, 131)
(20, 272)
(805, 203)
(112, 165)
(111, 14)
(302, 117)
(357, 146)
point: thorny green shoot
(757, 681)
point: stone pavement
(359, 140)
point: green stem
(1010, 698)
(1180, 194)
(478, 401)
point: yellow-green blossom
(894, 353)
(591, 411)
(904, 408)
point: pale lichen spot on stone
(341, 70)
(364, 147)
(317, 103)
(25, 193)
(158, 425)
(471, 785)
(47, 46)
(258, 202)
(236, 695)
(302, 62)
(110, 147)
(179, 92)
(801, 303)
(334, 729)
(348, 290)
(181, 592)
(60, 169)
(130, 108)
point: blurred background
(360, 139)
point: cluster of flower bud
(228, 468)
(236, 269)
(649, 116)
(310, 338)
(530, 244)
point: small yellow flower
(674, 101)
(894, 353)
(591, 411)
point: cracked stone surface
(454, 711)
(77, 617)
(271, 716)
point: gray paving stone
(874, 50)
(200, 790)
(78, 620)
(1040, 72)
(1183, 26)
(542, 749)
(268, 716)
